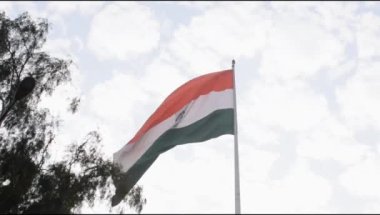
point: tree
(29, 182)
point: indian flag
(201, 109)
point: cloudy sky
(308, 97)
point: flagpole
(236, 149)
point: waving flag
(201, 109)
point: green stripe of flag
(217, 123)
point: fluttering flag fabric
(201, 109)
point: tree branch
(23, 65)
(14, 69)
(42, 161)
(28, 55)
(90, 168)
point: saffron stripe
(202, 85)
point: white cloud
(89, 7)
(224, 32)
(6, 6)
(116, 98)
(14, 8)
(122, 30)
(33, 9)
(69, 7)
(58, 104)
(368, 33)
(359, 98)
(62, 7)
(255, 164)
(61, 47)
(298, 49)
(331, 140)
(292, 106)
(162, 78)
(301, 191)
(372, 207)
(362, 179)
(197, 4)
(338, 17)
(256, 133)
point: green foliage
(38, 185)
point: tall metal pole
(236, 149)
